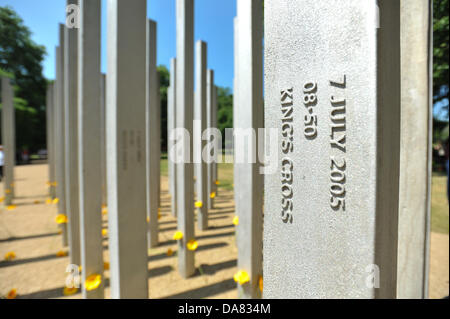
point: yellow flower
(192, 245)
(261, 283)
(12, 294)
(106, 265)
(7, 191)
(213, 195)
(55, 201)
(55, 184)
(104, 210)
(236, 220)
(61, 253)
(80, 269)
(61, 219)
(178, 235)
(11, 207)
(48, 183)
(48, 201)
(93, 282)
(10, 256)
(241, 277)
(169, 252)
(70, 291)
(60, 232)
(159, 213)
(104, 232)
(37, 202)
(199, 204)
(148, 219)
(2, 199)
(217, 183)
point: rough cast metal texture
(153, 140)
(103, 135)
(199, 142)
(333, 91)
(71, 139)
(210, 125)
(171, 124)
(249, 116)
(8, 139)
(125, 126)
(60, 135)
(415, 160)
(50, 140)
(90, 168)
(184, 118)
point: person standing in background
(2, 160)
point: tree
(22, 58)
(440, 53)
(164, 81)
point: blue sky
(213, 24)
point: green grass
(439, 205)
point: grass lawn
(439, 203)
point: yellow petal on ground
(37, 202)
(169, 252)
(236, 220)
(104, 232)
(61, 219)
(105, 265)
(199, 204)
(55, 201)
(10, 256)
(148, 219)
(93, 282)
(61, 253)
(11, 207)
(2, 199)
(159, 213)
(192, 245)
(241, 277)
(12, 294)
(178, 235)
(70, 291)
(217, 183)
(104, 210)
(261, 285)
(48, 201)
(213, 195)
(7, 191)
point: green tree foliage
(225, 110)
(22, 58)
(440, 52)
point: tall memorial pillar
(171, 125)
(416, 141)
(126, 161)
(71, 139)
(184, 120)
(60, 133)
(50, 109)
(248, 119)
(200, 119)
(331, 208)
(8, 139)
(153, 134)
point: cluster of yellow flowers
(9, 256)
(61, 219)
(190, 245)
